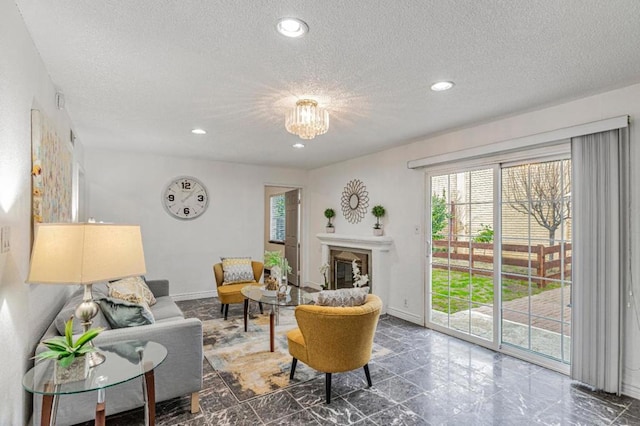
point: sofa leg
(195, 402)
(327, 386)
(226, 311)
(261, 310)
(366, 373)
(294, 363)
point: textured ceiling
(139, 75)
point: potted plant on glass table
(71, 364)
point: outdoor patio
(545, 335)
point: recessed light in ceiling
(292, 27)
(298, 145)
(441, 86)
(199, 132)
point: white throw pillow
(132, 289)
(343, 297)
(237, 270)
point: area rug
(243, 360)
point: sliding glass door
(462, 275)
(499, 270)
(536, 254)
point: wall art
(51, 173)
(355, 201)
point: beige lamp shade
(85, 253)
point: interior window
(277, 216)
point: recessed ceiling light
(292, 27)
(442, 85)
(298, 145)
(199, 132)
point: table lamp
(85, 253)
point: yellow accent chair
(334, 339)
(230, 293)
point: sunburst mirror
(355, 201)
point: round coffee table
(124, 361)
(297, 296)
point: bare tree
(543, 191)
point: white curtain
(600, 197)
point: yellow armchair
(334, 339)
(230, 293)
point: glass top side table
(124, 361)
(296, 296)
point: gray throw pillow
(69, 309)
(356, 296)
(121, 313)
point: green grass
(458, 290)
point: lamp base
(85, 312)
(95, 358)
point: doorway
(282, 226)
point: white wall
(25, 310)
(126, 188)
(402, 193)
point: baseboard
(631, 390)
(407, 316)
(196, 295)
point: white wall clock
(185, 198)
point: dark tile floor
(428, 379)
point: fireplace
(340, 264)
(378, 261)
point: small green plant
(274, 259)
(485, 235)
(64, 349)
(329, 214)
(378, 211)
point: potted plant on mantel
(329, 214)
(71, 362)
(378, 211)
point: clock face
(185, 198)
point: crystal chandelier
(307, 120)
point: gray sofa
(179, 375)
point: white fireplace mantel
(380, 258)
(356, 241)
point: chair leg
(246, 312)
(294, 363)
(366, 373)
(327, 385)
(261, 310)
(226, 311)
(222, 308)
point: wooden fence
(544, 262)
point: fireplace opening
(340, 262)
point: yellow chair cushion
(230, 293)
